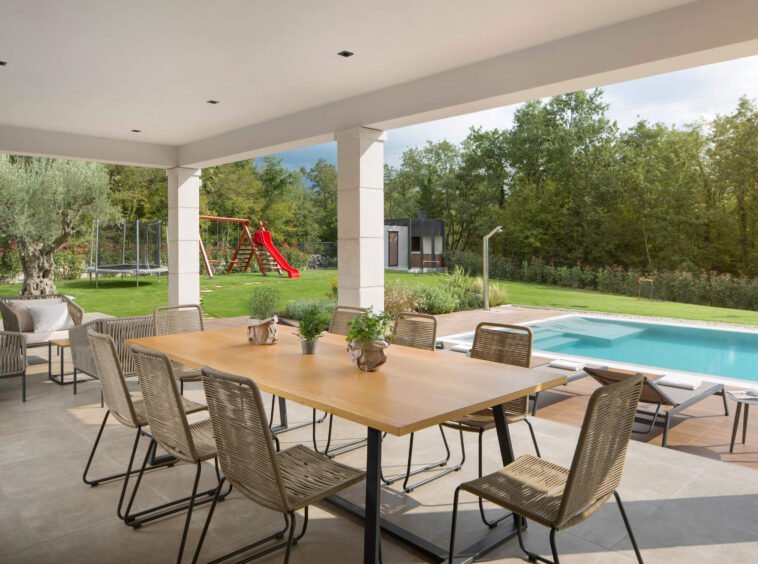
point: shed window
(415, 244)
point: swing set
(234, 250)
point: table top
(413, 390)
(742, 396)
(63, 342)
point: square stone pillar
(183, 236)
(360, 217)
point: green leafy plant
(370, 327)
(295, 309)
(313, 323)
(264, 302)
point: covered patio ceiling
(80, 75)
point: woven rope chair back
(600, 453)
(415, 330)
(178, 319)
(115, 393)
(121, 329)
(163, 404)
(12, 353)
(341, 318)
(507, 344)
(606, 377)
(243, 438)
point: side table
(742, 398)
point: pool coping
(454, 339)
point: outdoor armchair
(419, 331)
(507, 344)
(16, 317)
(187, 442)
(126, 409)
(558, 497)
(13, 358)
(284, 482)
(169, 320)
(668, 399)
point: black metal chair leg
(496, 522)
(208, 521)
(553, 548)
(532, 557)
(534, 438)
(189, 512)
(628, 527)
(726, 405)
(23, 387)
(127, 474)
(290, 539)
(94, 448)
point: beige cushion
(49, 317)
(25, 321)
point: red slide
(264, 238)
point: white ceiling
(82, 74)
(105, 67)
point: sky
(675, 98)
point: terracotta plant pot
(368, 356)
(262, 331)
(309, 347)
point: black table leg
(372, 538)
(283, 423)
(503, 435)
(736, 426)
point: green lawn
(226, 296)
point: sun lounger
(668, 399)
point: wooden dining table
(413, 390)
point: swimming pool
(714, 352)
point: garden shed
(416, 245)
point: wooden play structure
(249, 246)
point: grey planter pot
(308, 347)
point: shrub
(498, 295)
(296, 309)
(295, 257)
(264, 302)
(334, 288)
(399, 298)
(435, 300)
(69, 265)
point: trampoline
(126, 248)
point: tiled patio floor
(683, 508)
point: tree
(734, 155)
(45, 202)
(323, 178)
(139, 192)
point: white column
(183, 236)
(360, 217)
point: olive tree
(43, 204)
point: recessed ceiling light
(136, 131)
(212, 101)
(3, 63)
(346, 54)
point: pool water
(730, 354)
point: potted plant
(261, 325)
(367, 339)
(311, 327)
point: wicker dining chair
(342, 316)
(559, 497)
(187, 442)
(169, 320)
(284, 481)
(507, 344)
(127, 410)
(419, 331)
(13, 358)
